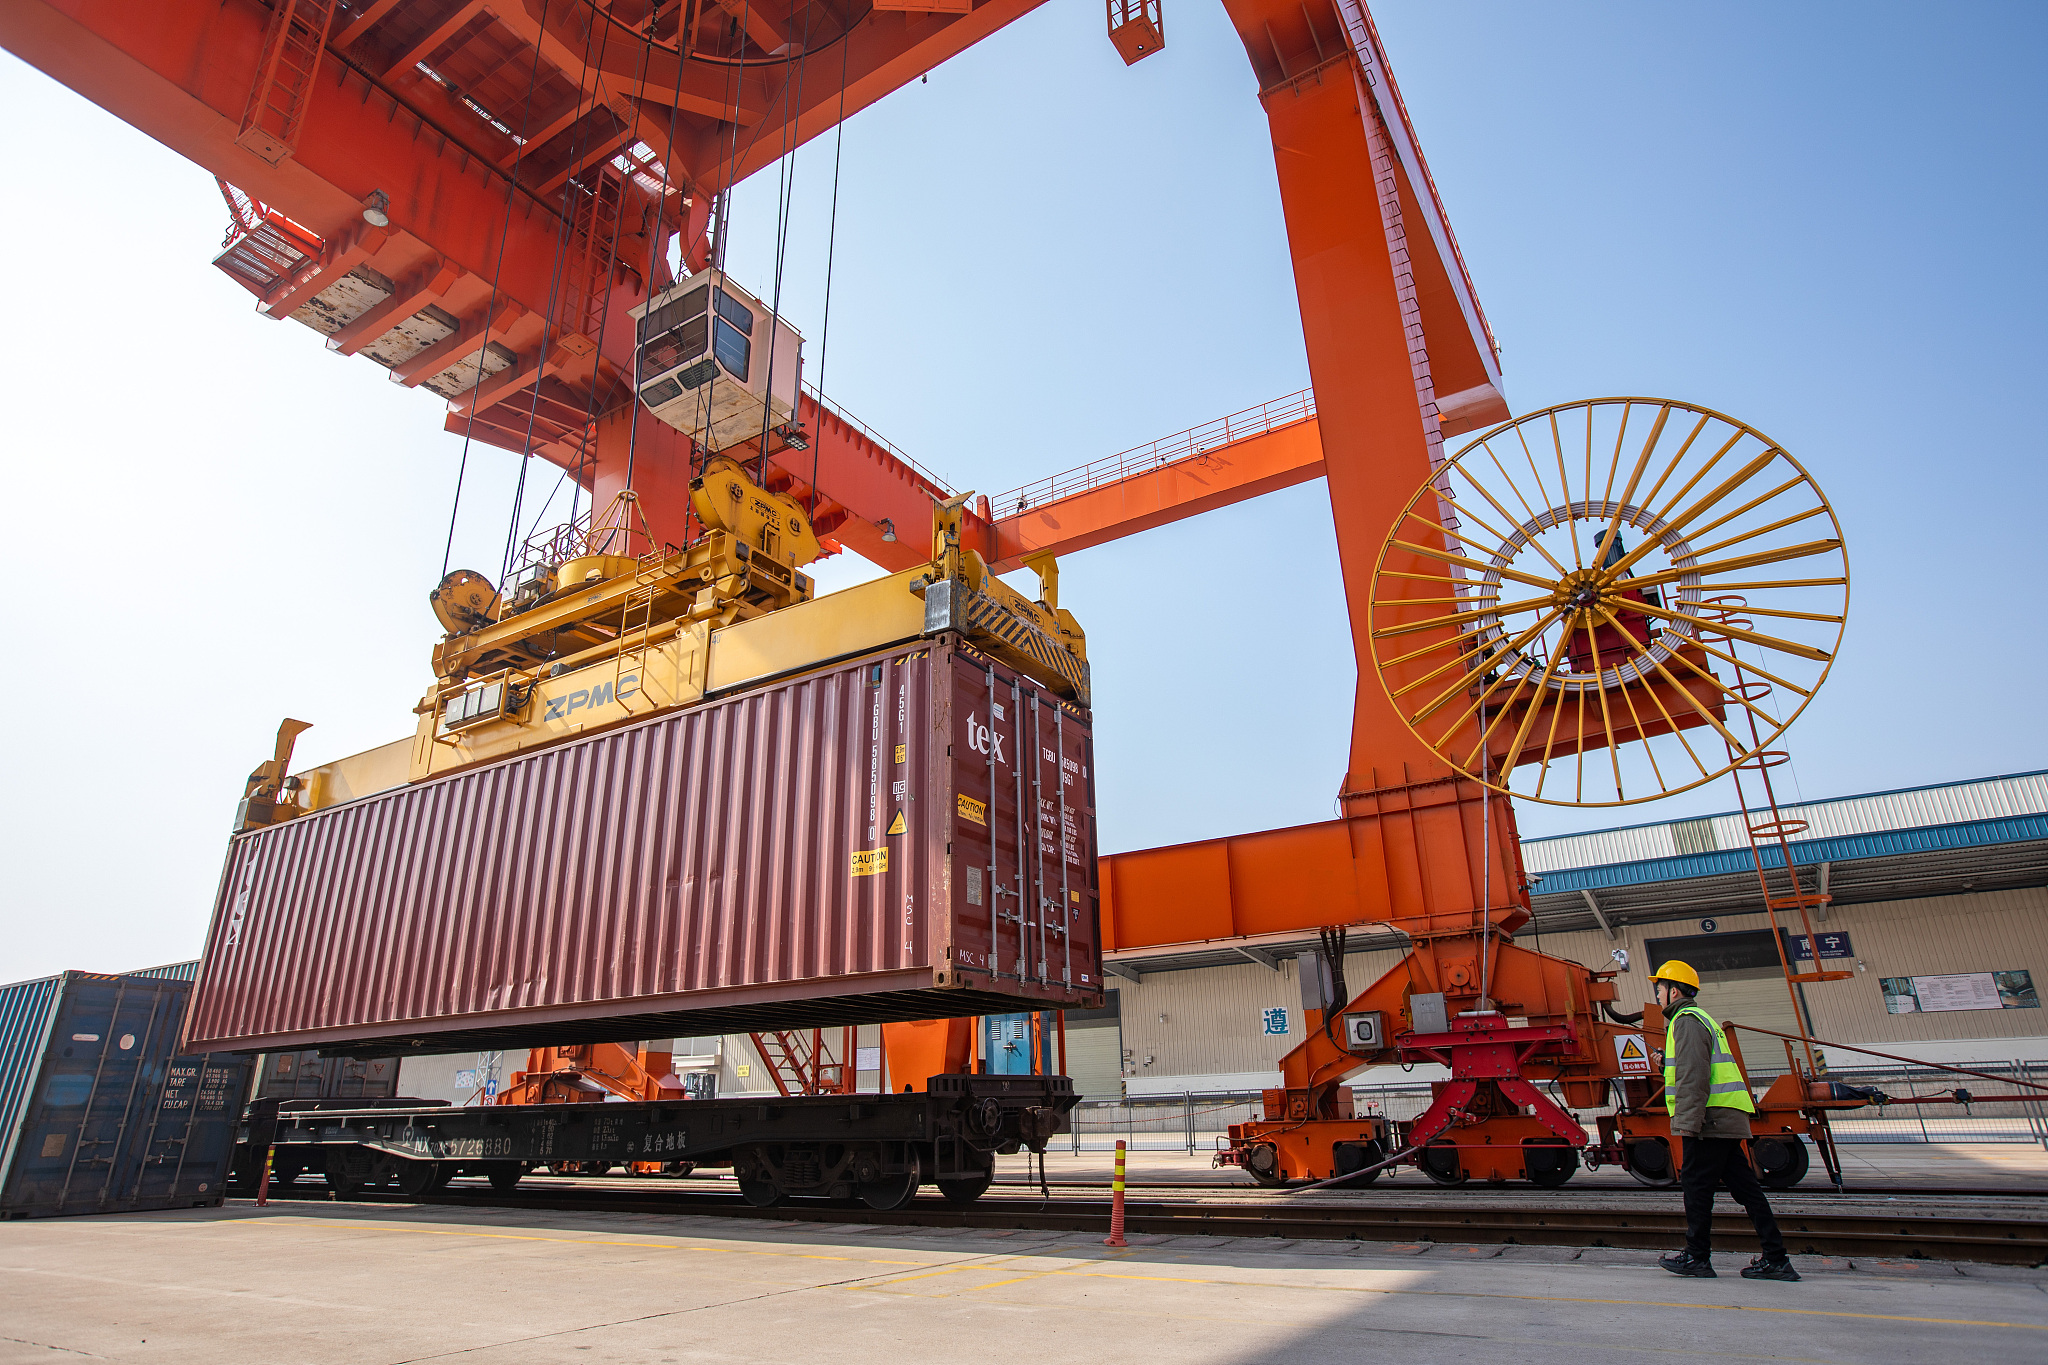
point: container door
(1061, 762)
(1024, 842)
(86, 1132)
(990, 823)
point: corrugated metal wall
(1952, 803)
(1985, 931)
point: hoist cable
(785, 205)
(563, 234)
(657, 246)
(497, 272)
(831, 250)
(604, 315)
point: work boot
(1770, 1268)
(1695, 1267)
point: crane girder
(495, 134)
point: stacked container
(98, 1111)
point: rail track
(1903, 1236)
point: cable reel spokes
(1609, 601)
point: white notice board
(1965, 991)
(1959, 991)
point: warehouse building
(1940, 908)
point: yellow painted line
(949, 1270)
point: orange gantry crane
(476, 196)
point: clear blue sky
(1825, 219)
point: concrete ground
(309, 1284)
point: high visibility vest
(1725, 1087)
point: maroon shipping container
(840, 848)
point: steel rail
(2003, 1241)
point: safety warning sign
(896, 825)
(1631, 1054)
(870, 862)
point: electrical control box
(712, 361)
(1363, 1031)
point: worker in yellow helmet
(1709, 1103)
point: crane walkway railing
(1155, 455)
(841, 414)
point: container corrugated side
(170, 971)
(115, 1119)
(779, 858)
(306, 1075)
(27, 1009)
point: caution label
(900, 751)
(896, 825)
(1630, 1053)
(870, 862)
(971, 809)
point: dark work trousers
(1709, 1162)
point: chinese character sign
(1276, 1020)
(1831, 945)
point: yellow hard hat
(1677, 972)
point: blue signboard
(1831, 945)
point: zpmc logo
(984, 740)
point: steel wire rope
(657, 244)
(563, 234)
(497, 273)
(785, 204)
(831, 258)
(611, 262)
(736, 83)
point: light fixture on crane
(377, 209)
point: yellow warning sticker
(900, 751)
(896, 825)
(971, 809)
(1633, 1057)
(869, 862)
(1075, 896)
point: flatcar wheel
(1439, 1161)
(1348, 1157)
(968, 1190)
(415, 1178)
(506, 1177)
(343, 1186)
(1649, 1161)
(444, 1171)
(1262, 1163)
(893, 1192)
(282, 1175)
(1780, 1163)
(1549, 1164)
(762, 1194)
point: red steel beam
(1188, 487)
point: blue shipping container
(98, 1112)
